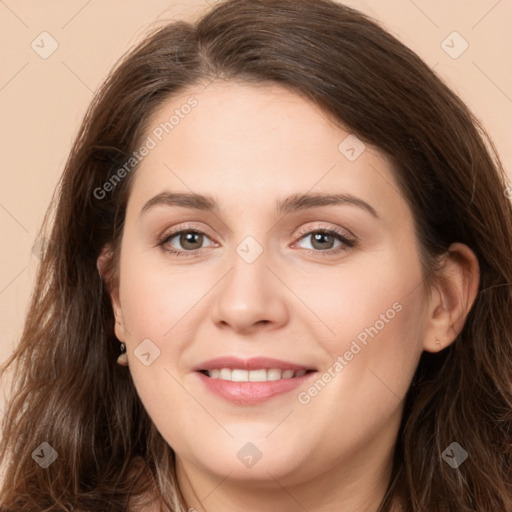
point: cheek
(353, 301)
(162, 306)
(157, 307)
(369, 367)
(156, 298)
(375, 316)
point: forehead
(241, 142)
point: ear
(452, 297)
(105, 266)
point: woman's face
(261, 290)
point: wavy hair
(67, 389)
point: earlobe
(123, 357)
(452, 297)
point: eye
(323, 241)
(190, 239)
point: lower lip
(249, 393)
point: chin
(256, 461)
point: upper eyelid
(180, 229)
(310, 229)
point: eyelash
(347, 242)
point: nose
(250, 297)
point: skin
(248, 147)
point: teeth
(274, 374)
(239, 375)
(257, 375)
(225, 374)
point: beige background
(42, 100)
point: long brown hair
(68, 390)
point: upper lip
(254, 363)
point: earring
(123, 357)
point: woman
(367, 370)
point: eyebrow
(295, 202)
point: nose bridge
(248, 279)
(250, 293)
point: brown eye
(184, 242)
(323, 241)
(190, 240)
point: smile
(251, 381)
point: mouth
(251, 381)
